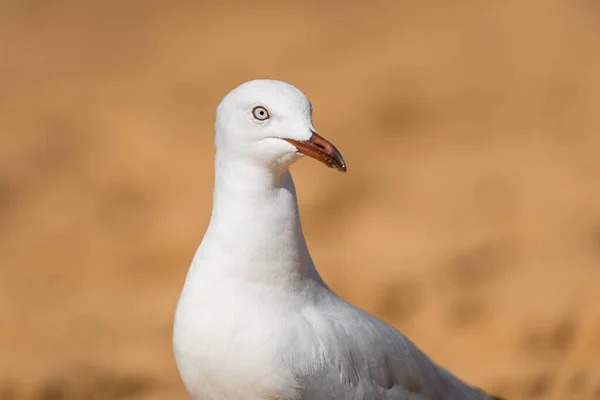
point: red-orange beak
(320, 149)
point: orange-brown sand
(469, 217)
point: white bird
(255, 320)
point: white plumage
(255, 320)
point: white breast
(223, 347)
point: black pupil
(260, 113)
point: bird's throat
(255, 226)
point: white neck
(255, 231)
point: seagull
(255, 320)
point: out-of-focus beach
(469, 217)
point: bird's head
(270, 122)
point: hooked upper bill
(320, 149)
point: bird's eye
(260, 113)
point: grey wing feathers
(369, 359)
(402, 371)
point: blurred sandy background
(469, 218)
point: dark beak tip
(322, 150)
